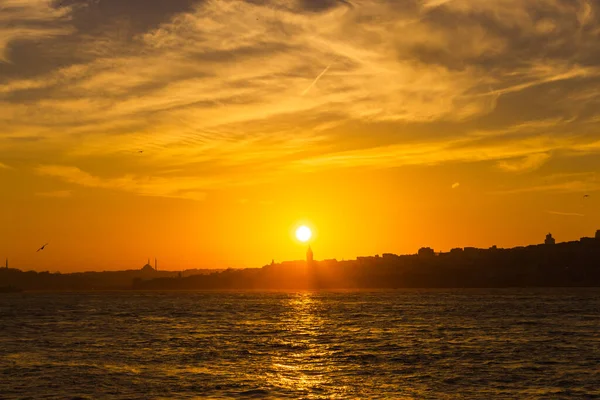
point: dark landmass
(11, 278)
(10, 289)
(568, 264)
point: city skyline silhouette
(550, 264)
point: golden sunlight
(303, 233)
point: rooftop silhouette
(575, 263)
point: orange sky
(385, 126)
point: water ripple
(387, 344)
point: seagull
(42, 248)
(141, 151)
(586, 195)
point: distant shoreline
(569, 264)
(334, 290)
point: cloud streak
(564, 186)
(210, 88)
(61, 194)
(566, 214)
(145, 186)
(30, 20)
(527, 163)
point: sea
(403, 344)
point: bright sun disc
(303, 233)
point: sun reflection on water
(307, 366)
(400, 345)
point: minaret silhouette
(155, 264)
(6, 265)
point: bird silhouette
(586, 196)
(42, 248)
(141, 151)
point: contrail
(316, 79)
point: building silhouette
(566, 264)
(6, 263)
(426, 252)
(148, 267)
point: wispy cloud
(217, 84)
(30, 20)
(56, 193)
(455, 185)
(526, 152)
(567, 214)
(527, 163)
(147, 186)
(569, 186)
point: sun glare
(303, 233)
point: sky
(203, 132)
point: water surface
(421, 344)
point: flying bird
(42, 248)
(140, 151)
(586, 196)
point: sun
(303, 233)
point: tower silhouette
(309, 255)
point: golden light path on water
(307, 368)
(412, 344)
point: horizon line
(377, 255)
